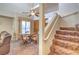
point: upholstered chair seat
(5, 38)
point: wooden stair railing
(50, 26)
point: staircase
(65, 42)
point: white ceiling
(16, 7)
(49, 7)
(25, 7)
(68, 8)
(13, 8)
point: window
(25, 27)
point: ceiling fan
(31, 13)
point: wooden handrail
(49, 28)
(49, 25)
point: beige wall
(6, 24)
(68, 13)
(10, 25)
(70, 20)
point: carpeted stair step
(51, 53)
(68, 28)
(66, 32)
(67, 38)
(63, 51)
(67, 45)
(65, 42)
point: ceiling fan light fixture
(32, 13)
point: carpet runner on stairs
(65, 42)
